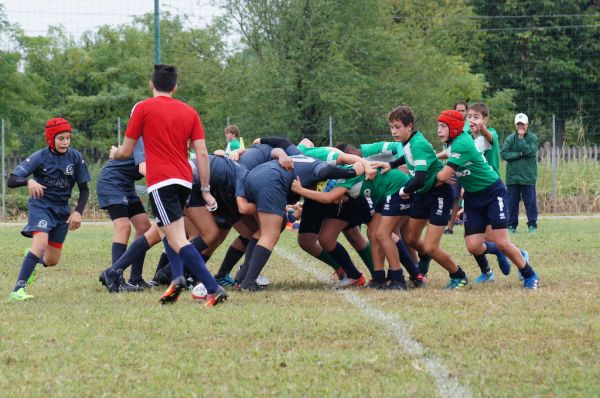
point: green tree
(548, 52)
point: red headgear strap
(56, 126)
(454, 120)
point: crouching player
(485, 196)
(55, 171)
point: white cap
(521, 118)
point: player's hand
(297, 185)
(384, 166)
(370, 172)
(36, 190)
(359, 168)
(113, 150)
(286, 162)
(256, 141)
(211, 203)
(74, 221)
(220, 153)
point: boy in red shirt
(168, 125)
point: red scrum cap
(54, 127)
(454, 120)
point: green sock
(366, 256)
(327, 259)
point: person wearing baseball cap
(520, 152)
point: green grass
(301, 338)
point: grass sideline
(302, 338)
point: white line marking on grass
(447, 384)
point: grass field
(303, 338)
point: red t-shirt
(167, 126)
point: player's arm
(442, 155)
(124, 151)
(415, 183)
(509, 150)
(74, 219)
(486, 133)
(369, 167)
(204, 173)
(284, 160)
(334, 196)
(245, 207)
(142, 168)
(447, 174)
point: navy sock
(458, 274)
(137, 248)
(162, 261)
(482, 261)
(241, 274)
(194, 262)
(491, 248)
(379, 275)
(117, 251)
(137, 268)
(396, 275)
(407, 260)
(176, 264)
(341, 256)
(199, 244)
(231, 258)
(27, 268)
(260, 256)
(527, 271)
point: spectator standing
(520, 152)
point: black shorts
(312, 216)
(355, 212)
(168, 203)
(125, 211)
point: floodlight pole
(156, 33)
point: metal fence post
(554, 165)
(118, 131)
(3, 176)
(330, 131)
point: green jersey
(232, 146)
(474, 172)
(382, 151)
(490, 151)
(420, 156)
(377, 189)
(321, 153)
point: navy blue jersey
(307, 169)
(57, 172)
(257, 154)
(118, 177)
(226, 176)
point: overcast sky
(78, 16)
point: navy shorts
(487, 207)
(456, 189)
(49, 217)
(168, 203)
(435, 205)
(393, 205)
(108, 200)
(312, 216)
(268, 187)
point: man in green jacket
(520, 152)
